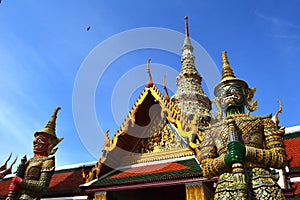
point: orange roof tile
(292, 146)
(296, 185)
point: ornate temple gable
(154, 129)
(162, 140)
(189, 96)
(154, 124)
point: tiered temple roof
(154, 129)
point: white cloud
(15, 131)
(276, 21)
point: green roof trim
(296, 197)
(192, 168)
(56, 192)
(292, 169)
(291, 135)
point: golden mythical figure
(240, 148)
(33, 176)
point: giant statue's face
(231, 95)
(40, 143)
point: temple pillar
(100, 196)
(194, 191)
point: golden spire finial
(50, 127)
(149, 83)
(228, 77)
(227, 73)
(165, 88)
(186, 26)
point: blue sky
(44, 45)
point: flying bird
(88, 28)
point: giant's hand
(236, 153)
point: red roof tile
(296, 185)
(150, 169)
(4, 186)
(65, 181)
(172, 170)
(292, 147)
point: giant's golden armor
(240, 148)
(264, 149)
(38, 174)
(33, 176)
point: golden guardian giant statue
(240, 148)
(33, 176)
